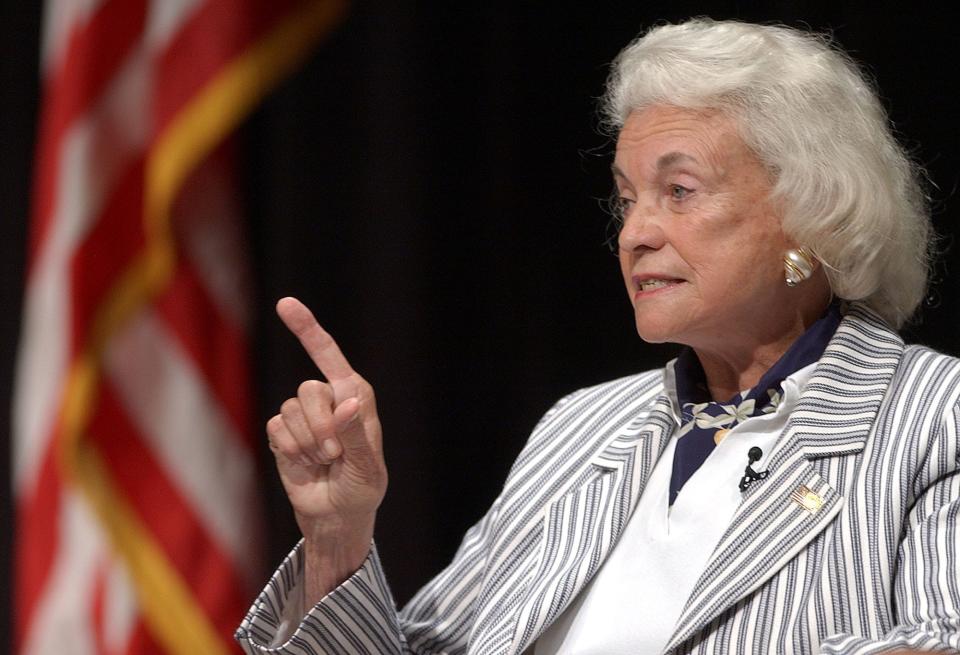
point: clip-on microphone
(749, 475)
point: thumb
(352, 434)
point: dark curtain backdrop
(431, 184)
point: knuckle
(322, 425)
(290, 450)
(290, 407)
(278, 439)
(365, 388)
(311, 388)
(275, 426)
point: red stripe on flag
(217, 348)
(192, 59)
(115, 240)
(205, 568)
(38, 539)
(142, 642)
(94, 53)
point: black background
(430, 183)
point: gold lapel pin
(806, 499)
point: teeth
(648, 285)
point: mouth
(650, 284)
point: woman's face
(701, 246)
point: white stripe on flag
(57, 626)
(60, 18)
(120, 612)
(164, 19)
(187, 431)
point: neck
(732, 367)
(730, 373)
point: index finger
(318, 343)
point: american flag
(134, 470)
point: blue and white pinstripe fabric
(876, 435)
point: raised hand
(328, 448)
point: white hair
(849, 191)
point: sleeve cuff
(358, 616)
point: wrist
(331, 558)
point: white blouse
(633, 603)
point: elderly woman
(789, 483)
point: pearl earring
(797, 266)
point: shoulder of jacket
(923, 368)
(590, 412)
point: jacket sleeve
(360, 616)
(926, 587)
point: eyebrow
(663, 161)
(671, 158)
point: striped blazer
(870, 565)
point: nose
(642, 229)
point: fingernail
(330, 448)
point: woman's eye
(623, 205)
(678, 192)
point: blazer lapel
(783, 514)
(581, 527)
